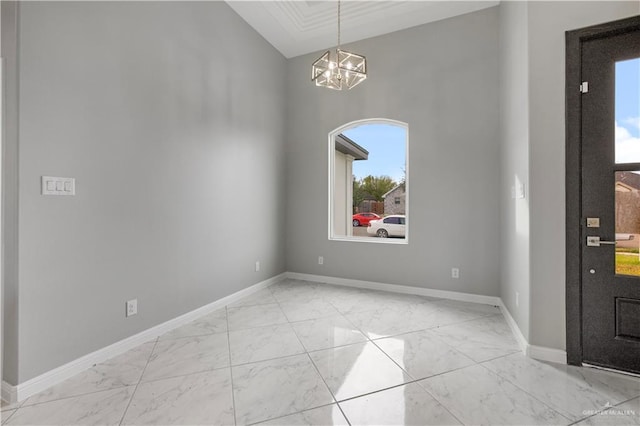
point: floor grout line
(75, 396)
(23, 404)
(335, 401)
(287, 415)
(133, 394)
(193, 373)
(233, 393)
(13, 412)
(481, 364)
(439, 401)
(366, 335)
(409, 374)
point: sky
(627, 114)
(386, 145)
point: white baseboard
(9, 393)
(394, 288)
(513, 325)
(44, 381)
(543, 353)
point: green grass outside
(626, 250)
(626, 264)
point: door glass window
(627, 150)
(627, 115)
(627, 198)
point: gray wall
(10, 194)
(514, 136)
(532, 41)
(171, 118)
(441, 79)
(548, 22)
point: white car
(391, 226)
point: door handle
(593, 241)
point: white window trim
(331, 155)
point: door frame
(573, 173)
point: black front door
(610, 201)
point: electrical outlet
(257, 265)
(320, 260)
(132, 307)
(455, 273)
(517, 299)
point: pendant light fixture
(339, 69)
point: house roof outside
(391, 191)
(629, 179)
(349, 147)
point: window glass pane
(627, 197)
(627, 111)
(368, 182)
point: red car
(363, 219)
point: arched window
(368, 181)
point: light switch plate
(58, 186)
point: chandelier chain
(338, 24)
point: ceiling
(297, 27)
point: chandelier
(339, 69)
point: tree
(377, 186)
(358, 194)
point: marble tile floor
(303, 353)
